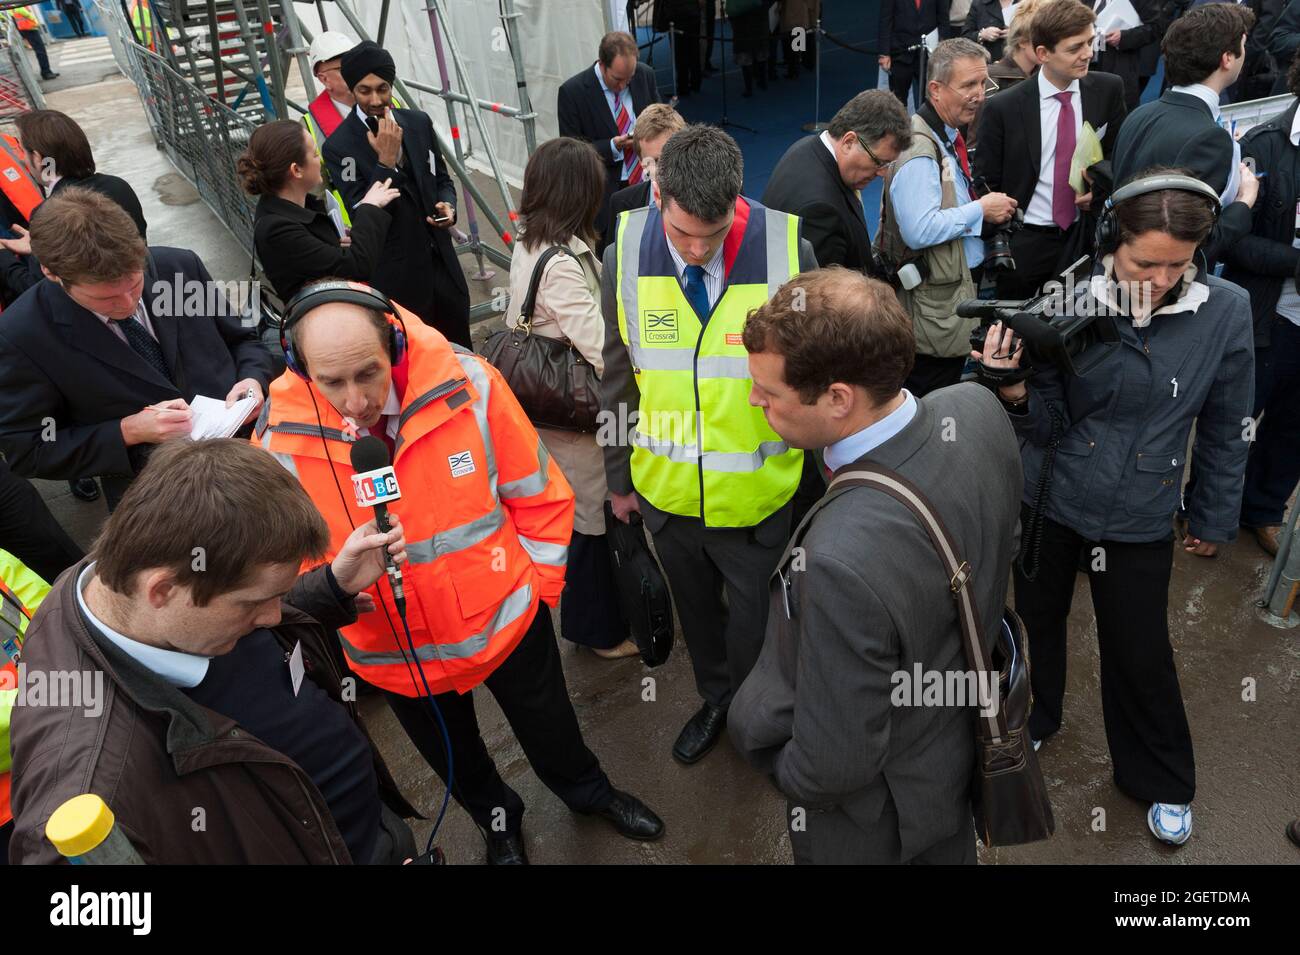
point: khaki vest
(933, 303)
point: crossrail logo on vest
(660, 326)
(462, 463)
(375, 487)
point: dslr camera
(1066, 327)
(997, 238)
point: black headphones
(337, 290)
(1107, 239)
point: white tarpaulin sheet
(558, 38)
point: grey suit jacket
(868, 597)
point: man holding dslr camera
(931, 220)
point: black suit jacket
(583, 112)
(18, 273)
(298, 244)
(633, 197)
(1010, 132)
(806, 183)
(902, 25)
(1125, 61)
(1179, 130)
(61, 365)
(115, 188)
(403, 272)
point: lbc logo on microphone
(375, 487)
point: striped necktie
(631, 162)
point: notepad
(212, 419)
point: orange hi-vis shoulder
(487, 515)
(22, 190)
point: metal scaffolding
(210, 71)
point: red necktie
(630, 160)
(959, 145)
(918, 4)
(1063, 208)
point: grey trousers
(830, 837)
(702, 563)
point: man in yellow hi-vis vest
(683, 446)
(30, 27)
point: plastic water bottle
(83, 831)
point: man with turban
(418, 268)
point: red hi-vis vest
(487, 516)
(21, 189)
(24, 19)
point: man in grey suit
(860, 603)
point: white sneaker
(1170, 822)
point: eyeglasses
(874, 158)
(989, 89)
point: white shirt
(343, 108)
(1039, 211)
(613, 99)
(847, 450)
(179, 669)
(828, 142)
(1288, 303)
(714, 274)
(141, 316)
(1211, 99)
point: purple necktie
(1063, 207)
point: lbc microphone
(375, 484)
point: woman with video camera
(1104, 456)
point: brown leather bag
(555, 385)
(1010, 801)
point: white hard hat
(327, 46)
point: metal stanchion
(672, 55)
(816, 126)
(1277, 607)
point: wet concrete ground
(719, 811)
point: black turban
(365, 58)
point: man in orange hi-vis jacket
(487, 521)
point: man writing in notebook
(99, 363)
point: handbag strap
(530, 300)
(992, 727)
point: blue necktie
(696, 293)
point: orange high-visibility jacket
(487, 516)
(16, 180)
(24, 19)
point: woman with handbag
(564, 186)
(1104, 455)
(297, 240)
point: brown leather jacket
(186, 784)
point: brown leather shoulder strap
(959, 571)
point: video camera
(1065, 327)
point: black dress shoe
(631, 817)
(700, 734)
(506, 849)
(84, 489)
(50, 76)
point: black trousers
(1146, 725)
(590, 613)
(34, 40)
(530, 689)
(686, 54)
(29, 531)
(902, 73)
(1274, 464)
(930, 373)
(73, 12)
(450, 313)
(703, 562)
(1038, 254)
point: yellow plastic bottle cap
(79, 825)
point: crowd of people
(754, 357)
